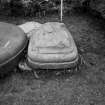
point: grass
(86, 87)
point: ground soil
(86, 87)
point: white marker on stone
(61, 10)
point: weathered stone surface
(52, 44)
